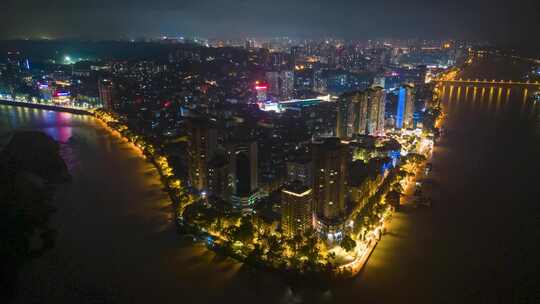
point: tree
(275, 248)
(254, 257)
(244, 232)
(348, 243)
(329, 260)
(310, 249)
(415, 158)
(393, 197)
(397, 187)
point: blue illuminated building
(401, 107)
(405, 107)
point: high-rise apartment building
(243, 164)
(320, 83)
(296, 208)
(106, 94)
(287, 84)
(202, 142)
(347, 113)
(281, 84)
(375, 112)
(361, 112)
(219, 178)
(300, 170)
(272, 78)
(405, 107)
(329, 186)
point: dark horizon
(499, 21)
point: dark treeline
(42, 50)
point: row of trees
(265, 245)
(257, 244)
(376, 207)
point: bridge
(487, 82)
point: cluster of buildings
(57, 84)
(315, 181)
(314, 185)
(314, 152)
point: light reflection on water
(57, 125)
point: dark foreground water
(477, 244)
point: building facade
(329, 186)
(106, 96)
(405, 107)
(361, 113)
(202, 142)
(219, 179)
(300, 170)
(281, 84)
(296, 209)
(243, 164)
(376, 98)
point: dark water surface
(477, 244)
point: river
(478, 243)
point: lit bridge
(487, 82)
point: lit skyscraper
(281, 84)
(329, 186)
(287, 84)
(243, 164)
(375, 112)
(300, 170)
(347, 113)
(320, 84)
(272, 78)
(202, 141)
(219, 181)
(296, 208)
(361, 112)
(106, 96)
(405, 107)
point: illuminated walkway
(49, 106)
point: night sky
(502, 21)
